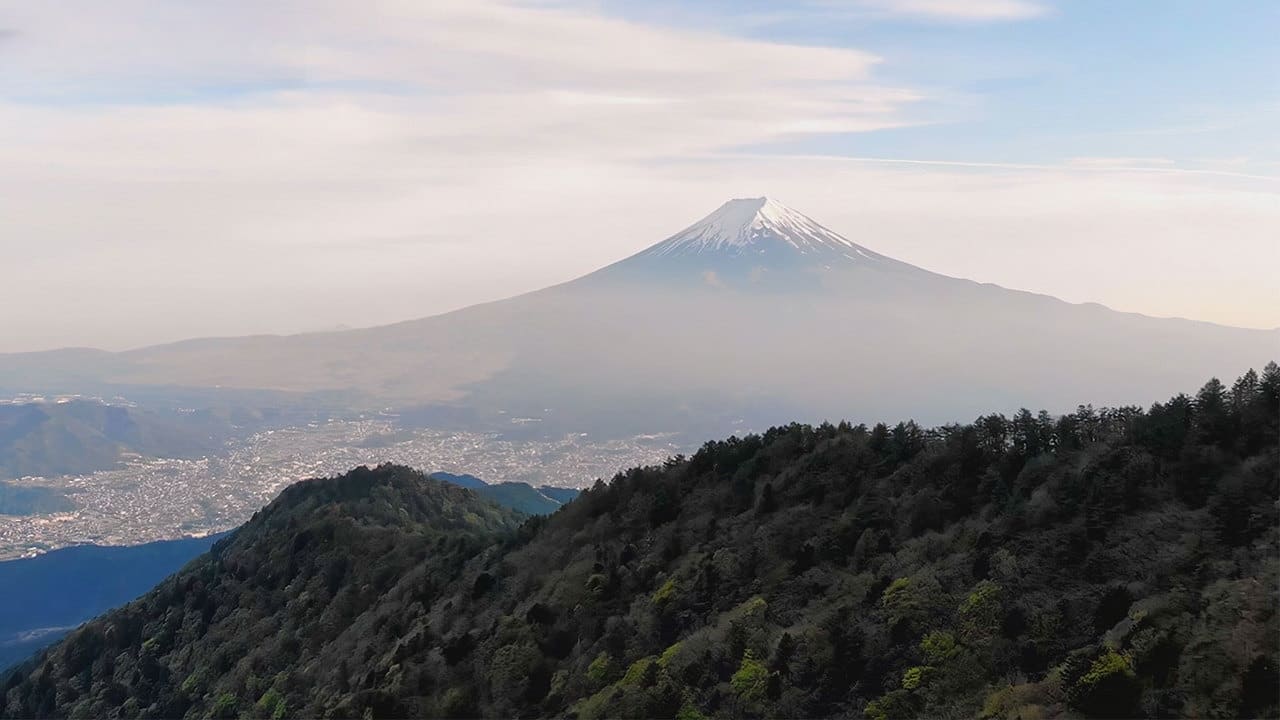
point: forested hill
(1115, 562)
(288, 587)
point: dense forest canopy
(1112, 562)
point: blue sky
(1189, 81)
(177, 169)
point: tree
(1211, 411)
(1244, 391)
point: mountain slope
(515, 495)
(741, 320)
(1105, 563)
(281, 588)
(756, 244)
(471, 482)
(51, 593)
(523, 497)
(32, 500)
(81, 436)
(54, 592)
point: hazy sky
(176, 169)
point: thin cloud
(1121, 162)
(1087, 165)
(946, 10)
(549, 141)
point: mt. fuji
(756, 226)
(755, 314)
(751, 240)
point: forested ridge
(1111, 562)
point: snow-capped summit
(752, 243)
(758, 226)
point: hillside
(32, 500)
(276, 594)
(51, 593)
(520, 496)
(82, 436)
(470, 482)
(1114, 562)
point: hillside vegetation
(1114, 562)
(51, 593)
(56, 591)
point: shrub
(689, 712)
(600, 669)
(271, 704)
(913, 677)
(458, 703)
(751, 680)
(895, 705)
(1109, 689)
(938, 647)
(666, 593)
(665, 659)
(641, 672)
(980, 612)
(224, 706)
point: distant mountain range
(32, 500)
(520, 496)
(756, 314)
(82, 436)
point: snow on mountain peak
(756, 225)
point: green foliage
(911, 600)
(894, 705)
(1105, 667)
(913, 676)
(458, 703)
(600, 670)
(980, 613)
(667, 655)
(751, 678)
(688, 711)
(983, 602)
(752, 611)
(896, 590)
(224, 706)
(1110, 687)
(595, 706)
(511, 668)
(1109, 561)
(938, 647)
(271, 705)
(641, 672)
(193, 682)
(666, 593)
